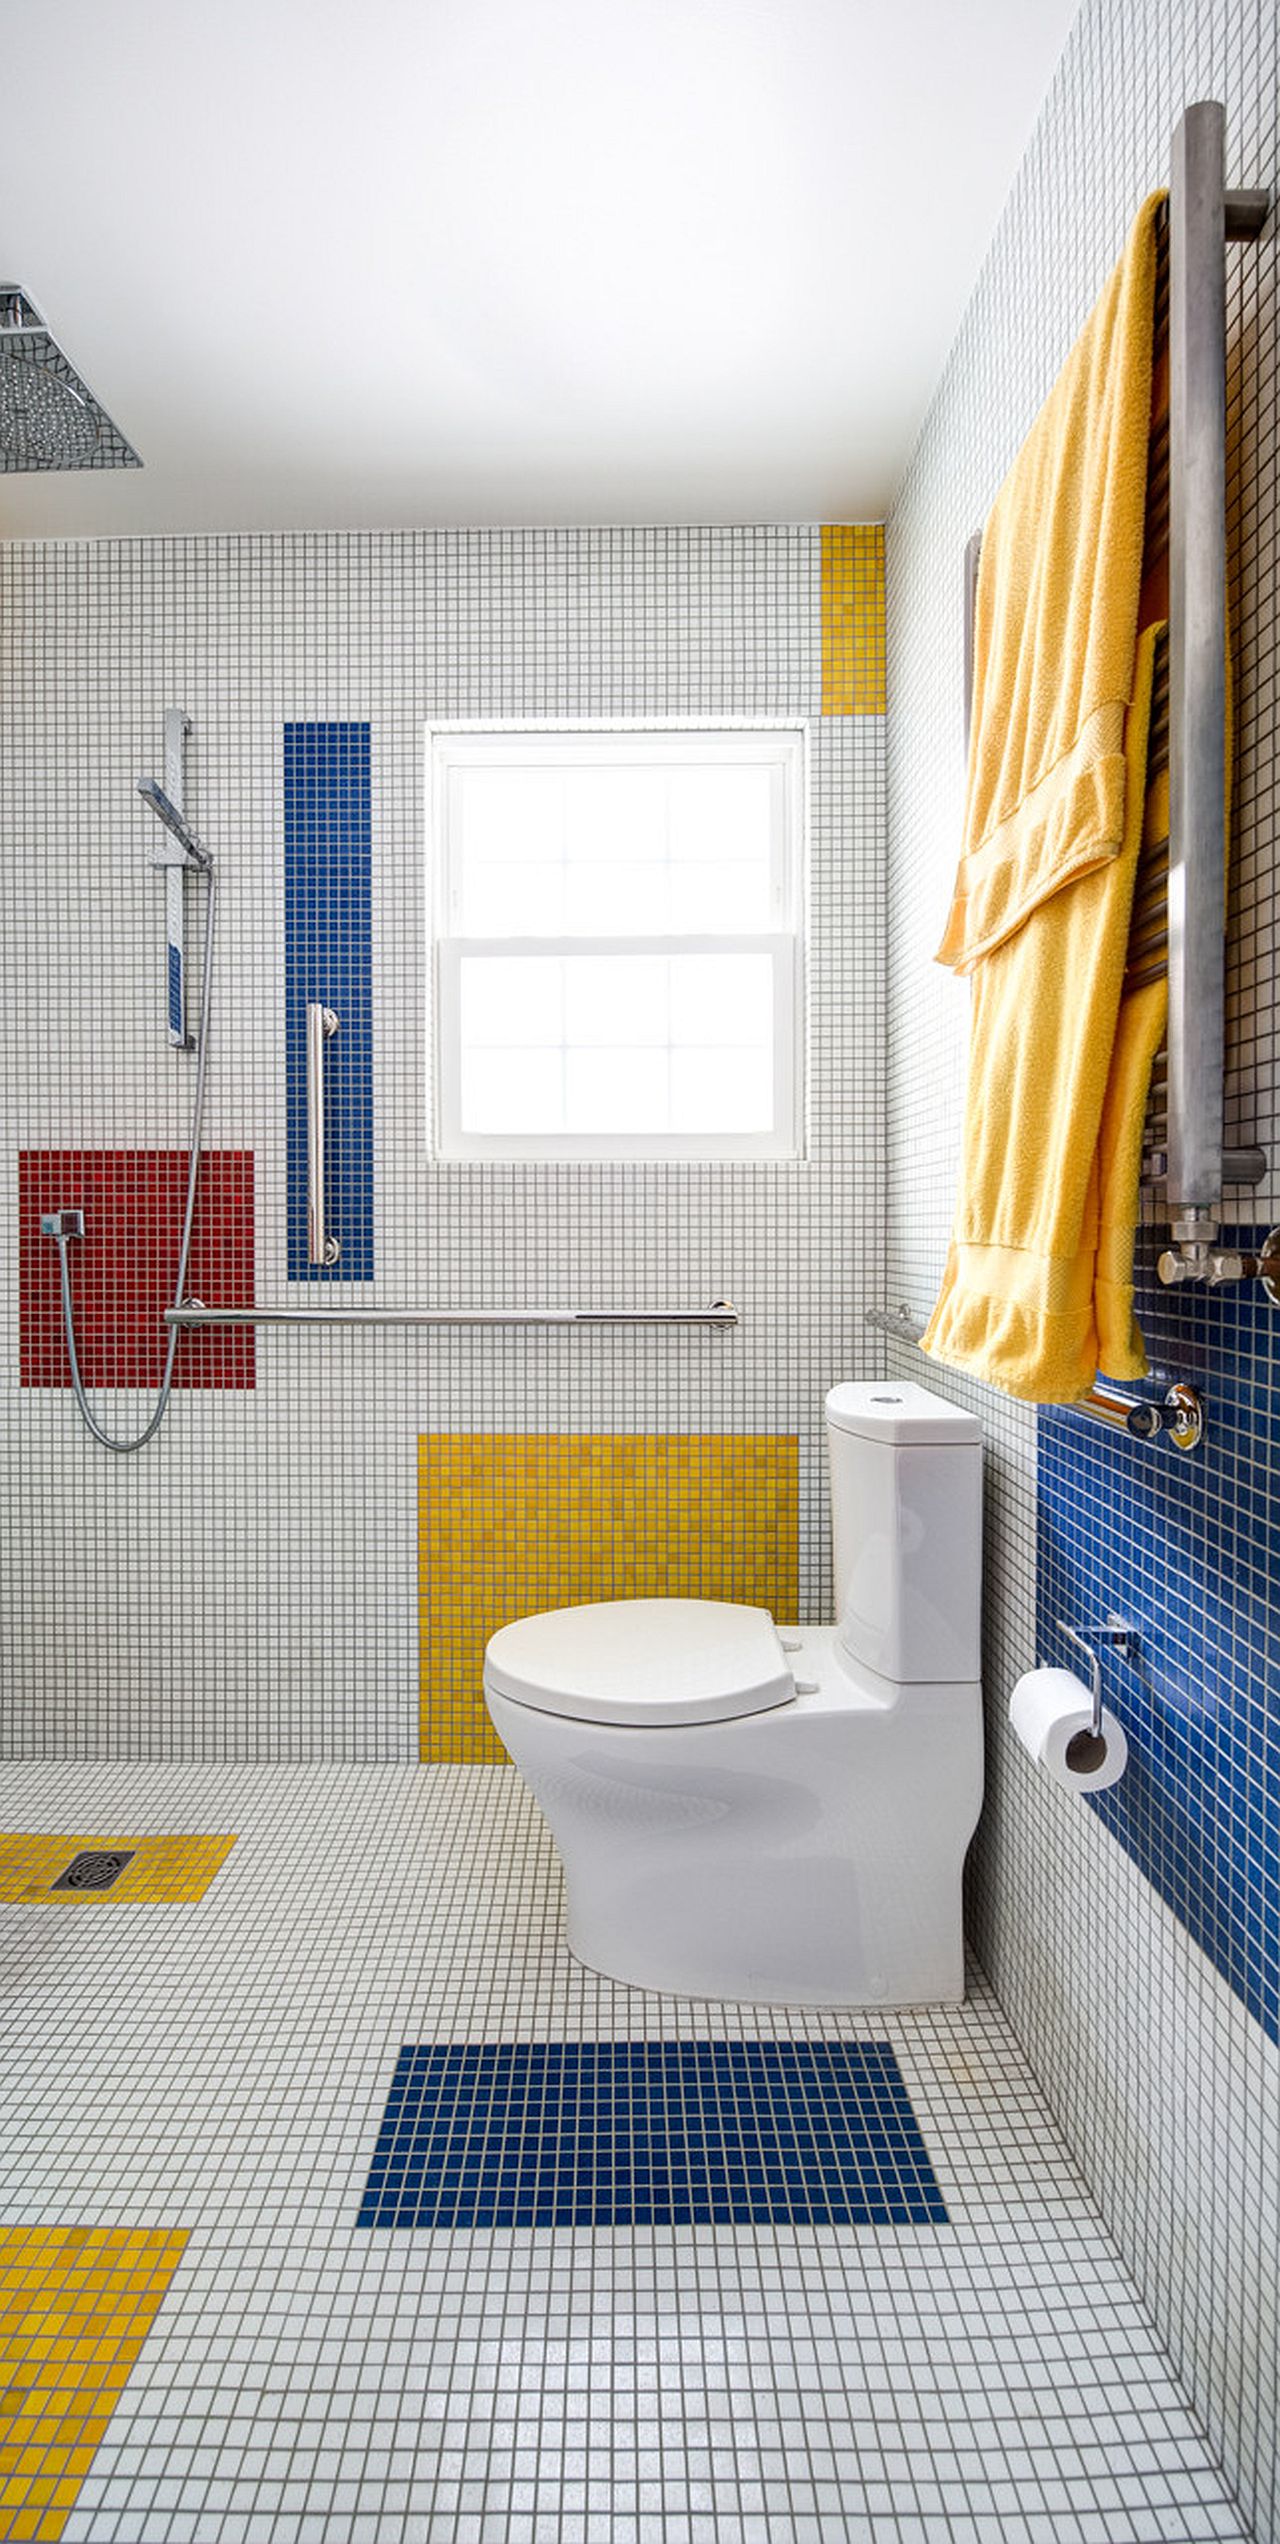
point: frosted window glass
(508, 816)
(722, 998)
(513, 900)
(722, 813)
(706, 898)
(616, 900)
(508, 999)
(721, 1091)
(517, 1091)
(616, 999)
(616, 1091)
(616, 816)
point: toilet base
(809, 1855)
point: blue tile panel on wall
(624, 2133)
(328, 956)
(1187, 1550)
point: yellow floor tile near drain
(163, 1868)
(76, 2305)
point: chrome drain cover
(96, 1870)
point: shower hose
(124, 1448)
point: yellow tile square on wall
(853, 631)
(76, 2305)
(513, 1522)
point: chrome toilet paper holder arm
(1124, 1640)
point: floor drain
(94, 1871)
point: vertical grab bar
(322, 1024)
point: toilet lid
(643, 1661)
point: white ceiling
(385, 263)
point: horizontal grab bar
(194, 1313)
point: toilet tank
(906, 1525)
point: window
(617, 941)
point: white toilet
(778, 1816)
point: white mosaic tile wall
(247, 1586)
(1168, 2091)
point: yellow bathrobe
(1037, 1291)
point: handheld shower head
(192, 852)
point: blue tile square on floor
(628, 2133)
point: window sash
(781, 1139)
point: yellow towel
(1018, 1303)
(1055, 625)
(1040, 917)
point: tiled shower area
(338, 2203)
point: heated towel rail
(1179, 1415)
(1180, 893)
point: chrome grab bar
(194, 1312)
(322, 1024)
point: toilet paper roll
(1048, 1709)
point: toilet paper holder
(1087, 1749)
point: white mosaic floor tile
(224, 2067)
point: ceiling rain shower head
(48, 418)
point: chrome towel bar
(1180, 1415)
(194, 1313)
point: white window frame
(779, 743)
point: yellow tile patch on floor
(163, 1868)
(512, 1522)
(76, 2305)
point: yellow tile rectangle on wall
(853, 628)
(76, 2305)
(33, 1865)
(511, 1523)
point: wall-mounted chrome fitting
(1198, 1259)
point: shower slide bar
(1180, 1416)
(1180, 892)
(720, 1315)
(180, 855)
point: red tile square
(123, 1268)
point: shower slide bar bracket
(1180, 1417)
(720, 1315)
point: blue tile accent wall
(328, 956)
(1187, 1549)
(623, 2133)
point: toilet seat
(643, 1662)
